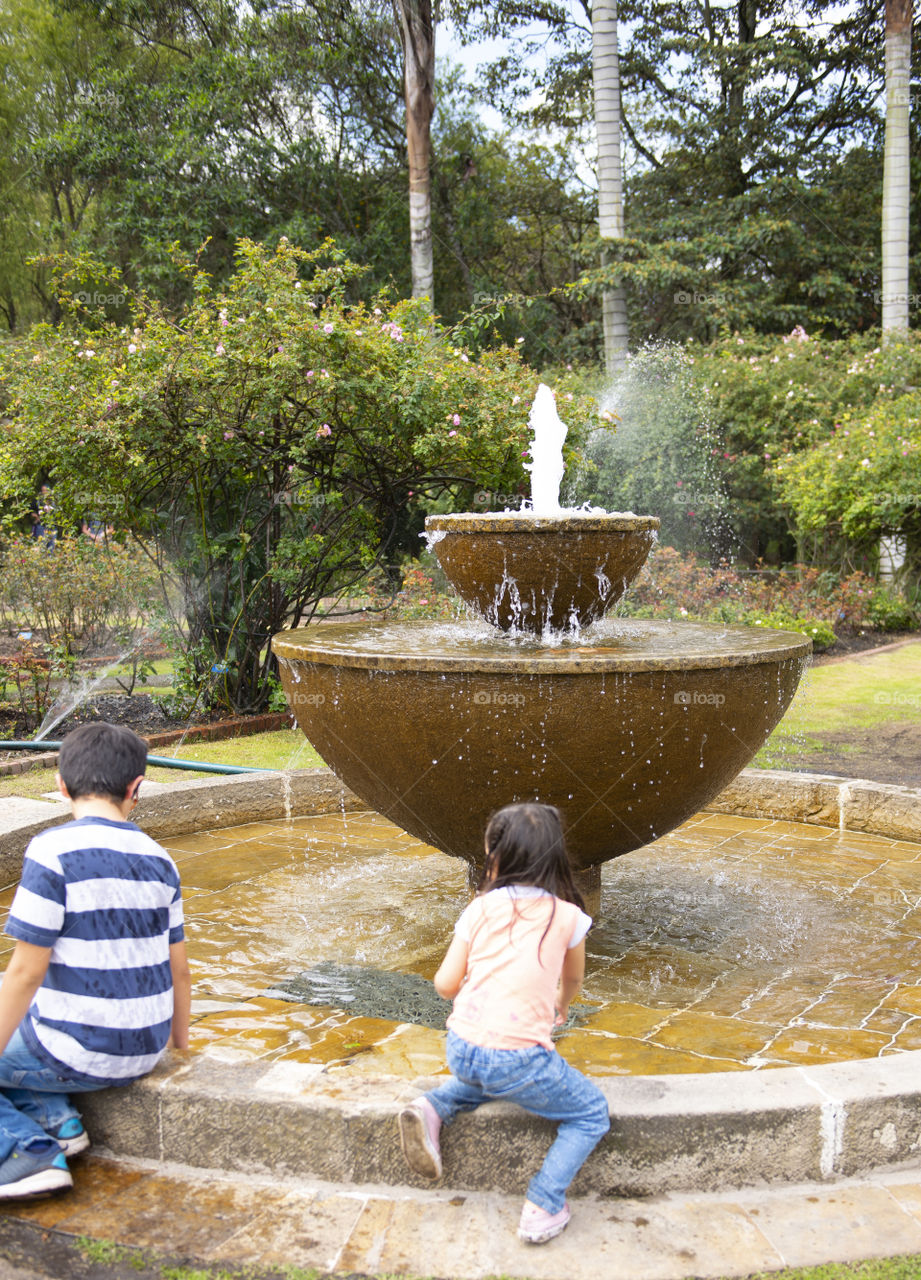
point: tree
(268, 445)
(752, 149)
(416, 23)
(606, 81)
(896, 167)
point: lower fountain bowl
(532, 573)
(437, 726)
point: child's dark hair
(525, 844)
(101, 760)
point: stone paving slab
(258, 1222)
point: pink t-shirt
(507, 1000)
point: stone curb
(850, 804)
(669, 1133)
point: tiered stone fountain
(628, 727)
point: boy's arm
(570, 979)
(25, 973)
(182, 996)
(450, 977)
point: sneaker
(72, 1136)
(537, 1226)
(31, 1173)
(420, 1125)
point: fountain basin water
(530, 573)
(628, 733)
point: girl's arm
(450, 977)
(570, 979)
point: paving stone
(812, 1227)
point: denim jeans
(544, 1084)
(32, 1101)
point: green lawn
(856, 694)
(283, 749)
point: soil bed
(887, 752)
(141, 712)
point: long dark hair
(525, 845)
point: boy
(98, 984)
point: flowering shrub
(801, 598)
(420, 596)
(81, 595)
(777, 402)
(274, 443)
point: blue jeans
(32, 1101)
(544, 1084)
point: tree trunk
(896, 171)
(606, 81)
(417, 34)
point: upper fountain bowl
(530, 573)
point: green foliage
(421, 595)
(888, 612)
(754, 156)
(271, 443)
(865, 477)
(83, 596)
(818, 603)
(772, 402)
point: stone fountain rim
(526, 522)
(315, 644)
(701, 1132)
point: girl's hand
(560, 1016)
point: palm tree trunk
(896, 171)
(606, 81)
(417, 34)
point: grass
(903, 1267)
(282, 749)
(857, 694)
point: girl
(516, 961)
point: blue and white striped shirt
(106, 899)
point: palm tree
(896, 171)
(606, 81)
(416, 23)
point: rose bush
(269, 446)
